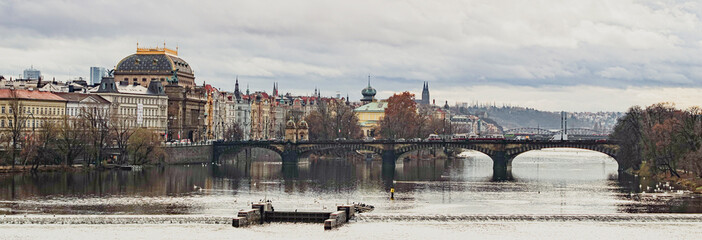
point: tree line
(403, 119)
(661, 139)
(88, 136)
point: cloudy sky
(554, 55)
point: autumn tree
(661, 139)
(401, 118)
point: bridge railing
(596, 141)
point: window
(2, 123)
(3, 109)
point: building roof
(156, 60)
(30, 95)
(82, 97)
(373, 107)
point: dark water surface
(544, 182)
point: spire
(237, 93)
(247, 89)
(368, 80)
(347, 99)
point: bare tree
(16, 123)
(97, 129)
(333, 120)
(233, 132)
(46, 145)
(121, 129)
(144, 146)
(70, 139)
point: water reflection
(543, 182)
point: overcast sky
(553, 55)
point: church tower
(425, 94)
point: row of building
(155, 89)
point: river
(453, 196)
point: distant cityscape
(156, 89)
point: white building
(140, 106)
(78, 103)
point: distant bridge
(573, 133)
(502, 152)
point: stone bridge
(502, 152)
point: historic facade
(369, 116)
(135, 105)
(35, 108)
(186, 112)
(154, 64)
(79, 103)
(296, 132)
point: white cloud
(334, 44)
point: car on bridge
(487, 137)
(459, 137)
(433, 137)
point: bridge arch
(229, 148)
(605, 149)
(325, 148)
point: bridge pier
(501, 167)
(389, 157)
(289, 157)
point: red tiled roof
(30, 95)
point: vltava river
(444, 193)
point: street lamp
(33, 122)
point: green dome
(368, 92)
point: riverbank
(63, 168)
(686, 180)
(42, 168)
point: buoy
(392, 193)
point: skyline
(550, 55)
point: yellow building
(36, 108)
(369, 116)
